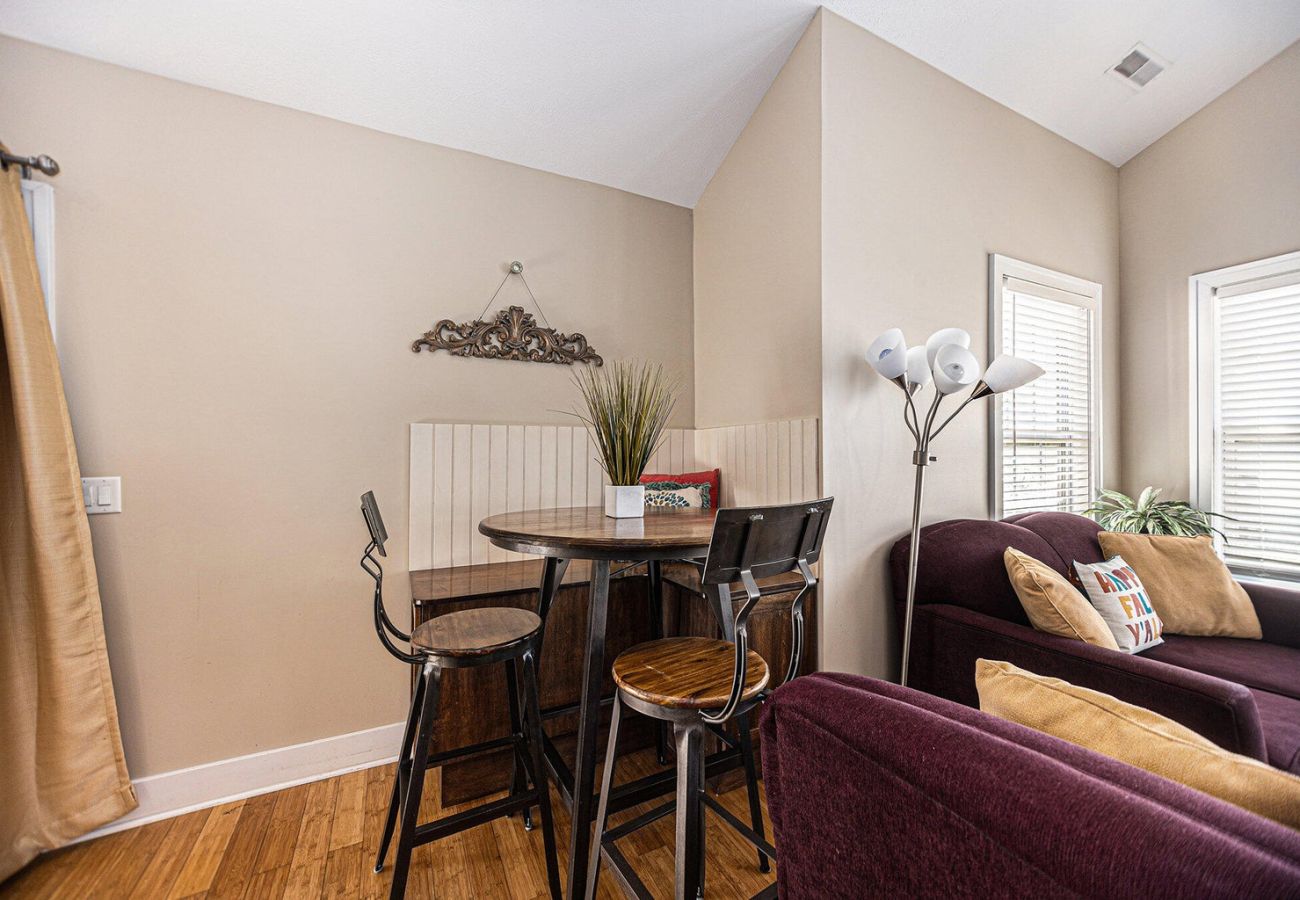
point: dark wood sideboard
(474, 702)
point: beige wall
(238, 288)
(758, 259)
(923, 178)
(1220, 189)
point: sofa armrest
(1278, 608)
(947, 640)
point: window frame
(38, 201)
(1202, 289)
(1086, 294)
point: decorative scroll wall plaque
(512, 334)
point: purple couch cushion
(961, 564)
(1265, 667)
(961, 559)
(1074, 538)
(876, 790)
(1279, 717)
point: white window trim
(1201, 290)
(38, 198)
(1089, 296)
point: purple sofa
(1244, 695)
(877, 790)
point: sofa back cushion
(1074, 538)
(961, 559)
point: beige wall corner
(1220, 189)
(922, 179)
(238, 288)
(758, 258)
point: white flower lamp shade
(888, 354)
(942, 338)
(918, 369)
(1006, 373)
(954, 368)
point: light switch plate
(102, 495)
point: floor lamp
(947, 361)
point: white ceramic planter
(625, 501)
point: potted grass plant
(627, 408)
(1147, 514)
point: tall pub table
(561, 535)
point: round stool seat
(686, 672)
(476, 632)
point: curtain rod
(44, 163)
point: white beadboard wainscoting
(462, 473)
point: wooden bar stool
(699, 684)
(473, 637)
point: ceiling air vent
(1139, 67)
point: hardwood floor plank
(208, 850)
(164, 867)
(349, 810)
(94, 857)
(282, 833)
(268, 884)
(307, 868)
(241, 853)
(343, 873)
(483, 862)
(124, 868)
(379, 785)
(526, 870)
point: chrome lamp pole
(946, 360)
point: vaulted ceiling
(648, 96)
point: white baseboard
(185, 790)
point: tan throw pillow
(1138, 737)
(1052, 603)
(1187, 583)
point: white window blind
(1047, 449)
(1248, 376)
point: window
(1246, 411)
(1046, 436)
(38, 199)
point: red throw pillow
(713, 478)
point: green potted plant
(627, 409)
(1114, 511)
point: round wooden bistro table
(561, 535)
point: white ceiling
(648, 96)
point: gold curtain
(62, 772)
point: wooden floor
(320, 840)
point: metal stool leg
(606, 790)
(751, 785)
(403, 767)
(518, 784)
(690, 810)
(533, 721)
(415, 782)
(655, 581)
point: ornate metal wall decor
(512, 334)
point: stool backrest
(765, 540)
(757, 542)
(384, 626)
